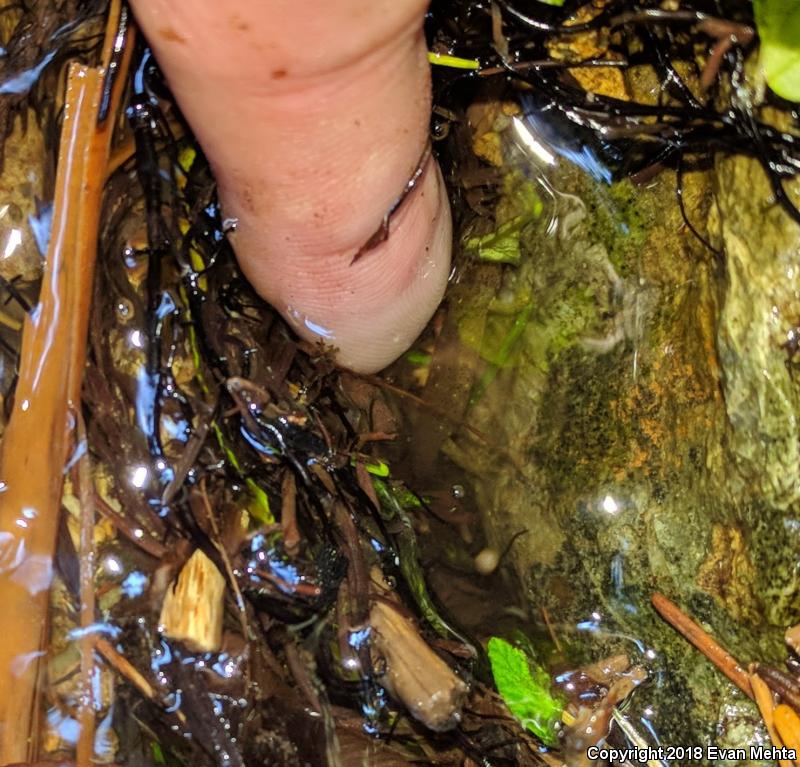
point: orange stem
(787, 723)
(766, 705)
(36, 442)
(704, 642)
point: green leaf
(418, 358)
(778, 23)
(519, 205)
(501, 245)
(455, 62)
(525, 690)
(377, 468)
(558, 3)
(158, 754)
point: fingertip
(393, 291)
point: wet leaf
(519, 205)
(778, 25)
(525, 689)
(454, 62)
(395, 500)
(502, 245)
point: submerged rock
(757, 328)
(638, 408)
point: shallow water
(608, 410)
(616, 396)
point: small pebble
(486, 561)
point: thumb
(314, 116)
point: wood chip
(193, 606)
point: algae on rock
(641, 422)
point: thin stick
(550, 629)
(123, 667)
(707, 645)
(766, 705)
(36, 442)
(226, 560)
(128, 671)
(86, 704)
(291, 533)
(127, 150)
(780, 683)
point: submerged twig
(35, 444)
(782, 684)
(704, 642)
(128, 671)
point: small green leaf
(557, 3)
(778, 23)
(519, 205)
(378, 469)
(418, 358)
(454, 62)
(158, 754)
(501, 245)
(526, 691)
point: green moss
(579, 437)
(620, 218)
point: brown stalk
(36, 441)
(704, 642)
(780, 683)
(134, 534)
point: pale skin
(314, 114)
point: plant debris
(247, 565)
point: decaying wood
(193, 606)
(415, 674)
(36, 442)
